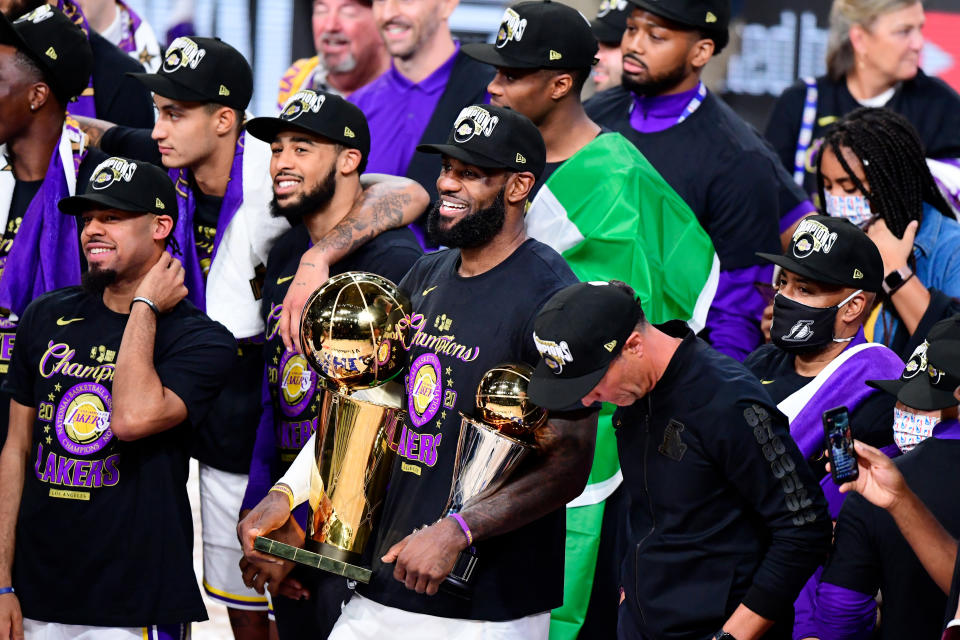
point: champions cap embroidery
(38, 15)
(473, 121)
(511, 28)
(302, 102)
(812, 236)
(182, 52)
(112, 170)
(554, 354)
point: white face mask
(855, 208)
(910, 429)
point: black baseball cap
(56, 45)
(320, 113)
(944, 352)
(202, 70)
(833, 251)
(539, 35)
(127, 185)
(922, 385)
(611, 21)
(494, 138)
(710, 16)
(578, 333)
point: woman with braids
(871, 170)
(873, 54)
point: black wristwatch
(723, 635)
(896, 279)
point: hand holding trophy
(351, 335)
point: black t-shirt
(205, 226)
(131, 142)
(118, 97)
(291, 383)
(462, 327)
(721, 167)
(871, 421)
(931, 106)
(870, 553)
(126, 500)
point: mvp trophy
(349, 334)
(489, 450)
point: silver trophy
(489, 449)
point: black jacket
(723, 509)
(118, 97)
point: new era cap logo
(301, 103)
(112, 170)
(555, 55)
(512, 27)
(554, 354)
(710, 17)
(51, 53)
(224, 91)
(159, 205)
(521, 159)
(348, 133)
(182, 52)
(857, 274)
(474, 121)
(610, 346)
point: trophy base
(313, 559)
(459, 582)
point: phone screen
(843, 460)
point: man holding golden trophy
(445, 500)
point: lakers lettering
(70, 472)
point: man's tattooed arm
(552, 478)
(94, 129)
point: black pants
(312, 618)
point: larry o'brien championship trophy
(489, 449)
(349, 334)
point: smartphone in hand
(843, 460)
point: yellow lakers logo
(87, 418)
(424, 388)
(295, 382)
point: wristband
(5, 590)
(147, 301)
(285, 490)
(464, 527)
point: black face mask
(798, 328)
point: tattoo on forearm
(553, 478)
(94, 129)
(373, 215)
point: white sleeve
(303, 475)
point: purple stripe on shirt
(793, 216)
(844, 614)
(657, 113)
(733, 320)
(398, 112)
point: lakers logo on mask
(83, 419)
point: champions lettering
(57, 360)
(511, 28)
(419, 447)
(71, 472)
(443, 345)
(812, 236)
(554, 354)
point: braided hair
(893, 161)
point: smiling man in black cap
(898, 532)
(473, 308)
(320, 144)
(716, 162)
(108, 381)
(726, 522)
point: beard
(474, 230)
(309, 203)
(655, 85)
(97, 280)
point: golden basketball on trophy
(350, 333)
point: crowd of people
(694, 298)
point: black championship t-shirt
(870, 421)
(461, 328)
(132, 564)
(931, 106)
(23, 194)
(205, 227)
(721, 167)
(291, 383)
(870, 553)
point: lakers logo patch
(297, 384)
(83, 419)
(424, 389)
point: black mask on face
(798, 328)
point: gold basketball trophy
(350, 334)
(489, 449)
